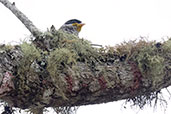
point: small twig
(168, 92)
(29, 25)
(97, 45)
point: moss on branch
(57, 67)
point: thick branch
(72, 73)
(66, 71)
(29, 25)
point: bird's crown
(73, 21)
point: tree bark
(61, 70)
(29, 80)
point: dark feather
(73, 21)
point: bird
(72, 26)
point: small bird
(72, 26)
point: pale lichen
(57, 62)
(151, 64)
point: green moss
(64, 52)
(80, 47)
(147, 56)
(151, 64)
(60, 59)
(48, 35)
(167, 45)
(58, 62)
(84, 50)
(30, 52)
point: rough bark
(29, 25)
(65, 75)
(60, 70)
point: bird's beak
(82, 24)
(79, 26)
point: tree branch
(60, 70)
(29, 25)
(72, 73)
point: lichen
(63, 52)
(58, 62)
(151, 64)
(66, 110)
(26, 77)
(30, 52)
(147, 99)
(149, 59)
(167, 46)
(81, 47)
(146, 55)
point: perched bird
(72, 26)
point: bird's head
(72, 26)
